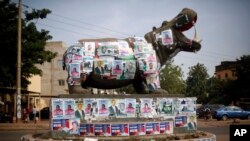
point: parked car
(231, 112)
(210, 109)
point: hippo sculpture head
(110, 63)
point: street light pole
(18, 85)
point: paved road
(222, 132)
(16, 135)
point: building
(226, 70)
(53, 79)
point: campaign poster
(146, 107)
(117, 67)
(177, 106)
(60, 124)
(191, 105)
(102, 130)
(143, 65)
(57, 108)
(99, 66)
(74, 71)
(130, 104)
(151, 56)
(68, 58)
(86, 129)
(130, 68)
(119, 129)
(77, 54)
(117, 108)
(90, 107)
(166, 127)
(165, 106)
(69, 108)
(180, 121)
(87, 64)
(138, 47)
(79, 110)
(133, 129)
(149, 126)
(167, 37)
(124, 50)
(108, 61)
(152, 82)
(74, 126)
(151, 67)
(107, 49)
(89, 49)
(103, 107)
(192, 122)
(147, 48)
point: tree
(239, 88)
(33, 44)
(171, 78)
(215, 88)
(196, 82)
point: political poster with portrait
(177, 106)
(166, 127)
(74, 71)
(167, 37)
(102, 129)
(143, 65)
(77, 54)
(180, 121)
(192, 122)
(191, 105)
(103, 105)
(68, 58)
(138, 48)
(60, 124)
(117, 108)
(165, 106)
(86, 129)
(69, 108)
(107, 49)
(146, 107)
(130, 68)
(87, 64)
(79, 110)
(57, 108)
(133, 129)
(151, 67)
(89, 49)
(125, 51)
(152, 82)
(117, 67)
(130, 104)
(74, 126)
(90, 107)
(108, 61)
(147, 48)
(120, 129)
(141, 129)
(99, 66)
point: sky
(223, 25)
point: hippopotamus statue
(110, 63)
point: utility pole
(18, 85)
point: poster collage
(112, 60)
(89, 116)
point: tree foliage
(171, 78)
(197, 82)
(33, 44)
(239, 88)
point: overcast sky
(222, 24)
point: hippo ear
(154, 28)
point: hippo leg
(140, 84)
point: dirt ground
(216, 123)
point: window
(61, 82)
(226, 75)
